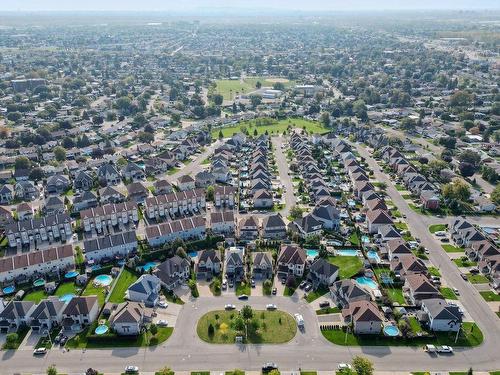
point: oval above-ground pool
(101, 330)
(39, 282)
(103, 280)
(71, 274)
(9, 289)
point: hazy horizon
(214, 5)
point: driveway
(204, 288)
(170, 314)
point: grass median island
(265, 327)
(470, 336)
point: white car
(40, 351)
(162, 304)
(229, 306)
(131, 370)
(445, 349)
(271, 306)
(162, 323)
(344, 366)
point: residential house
(133, 172)
(26, 190)
(48, 314)
(137, 192)
(84, 201)
(322, 273)
(187, 228)
(364, 316)
(262, 198)
(186, 182)
(129, 318)
(146, 289)
(162, 187)
(208, 264)
(224, 196)
(53, 205)
(51, 228)
(119, 214)
(204, 179)
(222, 222)
(419, 287)
(291, 261)
(118, 245)
(377, 218)
(80, 311)
(306, 227)
(346, 291)
(234, 266)
(6, 194)
(173, 272)
(83, 181)
(175, 204)
(273, 227)
(24, 211)
(262, 265)
(109, 194)
(440, 316)
(15, 315)
(57, 184)
(108, 175)
(248, 228)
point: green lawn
(469, 336)
(273, 327)
(230, 88)
(81, 340)
(348, 266)
(35, 295)
(125, 279)
(448, 293)
(437, 228)
(271, 126)
(414, 325)
(315, 294)
(45, 342)
(477, 279)
(452, 249)
(400, 187)
(464, 262)
(401, 226)
(354, 239)
(328, 310)
(21, 334)
(243, 288)
(91, 290)
(434, 271)
(396, 295)
(490, 296)
(68, 287)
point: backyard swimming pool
(103, 280)
(71, 274)
(192, 254)
(146, 267)
(312, 253)
(372, 254)
(9, 289)
(363, 280)
(66, 297)
(39, 282)
(101, 330)
(391, 330)
(347, 252)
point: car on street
(455, 290)
(299, 319)
(40, 351)
(269, 366)
(445, 349)
(131, 369)
(224, 284)
(324, 304)
(271, 306)
(344, 366)
(243, 297)
(229, 306)
(162, 304)
(464, 276)
(274, 291)
(162, 323)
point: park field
(230, 88)
(271, 126)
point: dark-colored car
(324, 304)
(303, 284)
(308, 287)
(243, 297)
(274, 291)
(269, 366)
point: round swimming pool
(103, 280)
(101, 330)
(71, 274)
(391, 331)
(9, 289)
(66, 297)
(146, 267)
(39, 282)
(367, 281)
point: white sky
(193, 5)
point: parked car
(243, 297)
(274, 291)
(303, 284)
(131, 369)
(344, 366)
(324, 304)
(445, 349)
(455, 290)
(269, 366)
(464, 276)
(283, 280)
(40, 351)
(271, 306)
(253, 283)
(162, 323)
(162, 304)
(308, 287)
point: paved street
(284, 170)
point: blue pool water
(347, 252)
(39, 282)
(372, 254)
(391, 331)
(103, 280)
(66, 297)
(193, 254)
(101, 330)
(351, 203)
(71, 274)
(312, 253)
(148, 266)
(365, 239)
(9, 289)
(367, 281)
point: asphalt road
(284, 170)
(184, 351)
